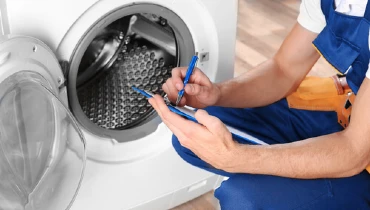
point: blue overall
(344, 43)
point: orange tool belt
(324, 94)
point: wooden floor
(262, 27)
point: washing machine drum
(136, 50)
(42, 151)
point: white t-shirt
(312, 18)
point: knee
(191, 158)
(247, 191)
(186, 154)
(182, 151)
(235, 193)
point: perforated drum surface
(108, 100)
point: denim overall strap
(367, 12)
(325, 7)
(344, 43)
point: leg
(273, 124)
(249, 120)
(246, 191)
(278, 123)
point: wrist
(236, 161)
(246, 159)
(218, 93)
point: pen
(171, 108)
(148, 94)
(187, 77)
(143, 92)
(180, 111)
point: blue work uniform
(317, 108)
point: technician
(318, 128)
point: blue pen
(187, 77)
(192, 118)
(171, 108)
(143, 92)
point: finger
(166, 114)
(213, 124)
(183, 139)
(178, 78)
(166, 89)
(176, 131)
(194, 89)
(196, 142)
(197, 77)
(182, 101)
(190, 129)
(172, 94)
(170, 89)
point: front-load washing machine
(85, 55)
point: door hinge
(65, 70)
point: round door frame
(186, 50)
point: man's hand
(210, 141)
(200, 92)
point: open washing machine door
(42, 150)
(107, 46)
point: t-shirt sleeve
(311, 16)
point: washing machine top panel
(42, 149)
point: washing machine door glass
(42, 150)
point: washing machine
(66, 72)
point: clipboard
(189, 113)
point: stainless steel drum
(137, 45)
(117, 62)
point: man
(316, 159)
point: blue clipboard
(188, 113)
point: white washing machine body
(136, 168)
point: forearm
(261, 86)
(275, 78)
(329, 156)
